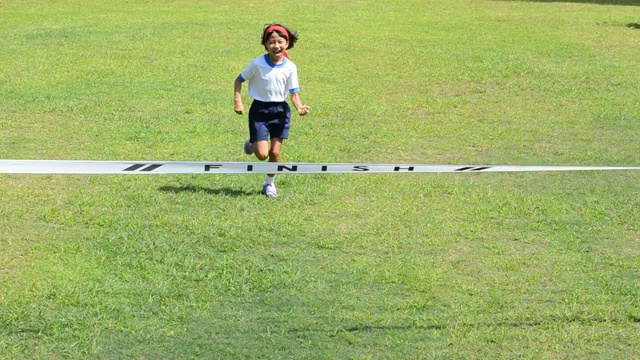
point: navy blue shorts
(269, 120)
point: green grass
(532, 265)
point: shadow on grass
(632, 319)
(199, 189)
(597, 2)
(634, 26)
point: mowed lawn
(362, 266)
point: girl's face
(276, 46)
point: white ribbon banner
(191, 167)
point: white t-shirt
(269, 82)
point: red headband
(278, 28)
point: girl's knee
(262, 156)
(274, 156)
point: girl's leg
(274, 156)
(274, 152)
(269, 188)
(262, 149)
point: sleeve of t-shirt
(292, 82)
(247, 73)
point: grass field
(535, 265)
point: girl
(270, 78)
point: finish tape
(191, 167)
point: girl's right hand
(239, 108)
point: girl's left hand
(303, 110)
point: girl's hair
(282, 30)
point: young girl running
(271, 78)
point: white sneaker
(249, 148)
(270, 190)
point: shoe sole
(248, 148)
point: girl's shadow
(199, 189)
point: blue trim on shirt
(266, 58)
(241, 78)
(293, 91)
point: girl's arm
(238, 108)
(297, 103)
